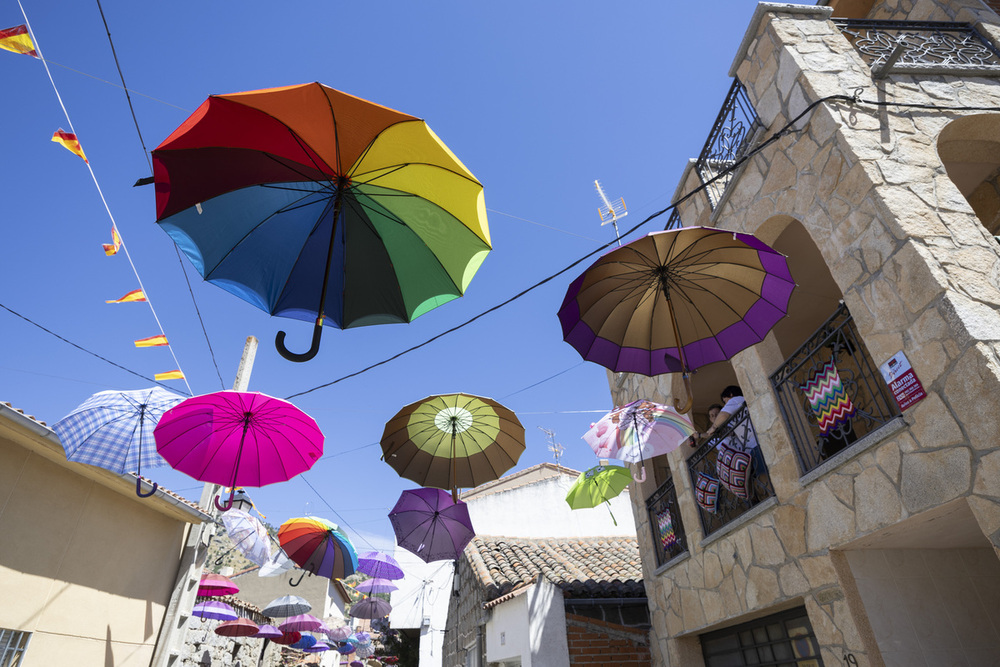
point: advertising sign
(903, 382)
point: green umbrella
(598, 485)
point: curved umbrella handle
(279, 343)
(299, 581)
(228, 505)
(690, 397)
(642, 475)
(138, 488)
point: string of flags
(19, 40)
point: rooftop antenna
(610, 211)
(554, 447)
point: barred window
(12, 646)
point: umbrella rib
(385, 171)
(330, 205)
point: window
(781, 640)
(12, 646)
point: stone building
(876, 542)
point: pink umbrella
(237, 438)
(302, 623)
(214, 585)
(339, 634)
(268, 632)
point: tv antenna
(610, 211)
(554, 447)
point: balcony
(737, 433)
(665, 521)
(921, 47)
(830, 392)
(732, 136)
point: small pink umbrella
(238, 438)
(302, 623)
(214, 585)
(268, 632)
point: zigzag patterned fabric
(665, 524)
(828, 398)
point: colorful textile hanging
(706, 492)
(152, 341)
(116, 243)
(665, 524)
(734, 468)
(169, 375)
(70, 143)
(18, 40)
(828, 398)
(132, 297)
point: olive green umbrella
(598, 485)
(453, 441)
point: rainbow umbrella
(238, 438)
(318, 546)
(637, 431)
(313, 204)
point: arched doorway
(969, 148)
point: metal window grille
(674, 221)
(13, 644)
(737, 433)
(782, 640)
(837, 340)
(731, 138)
(911, 47)
(664, 499)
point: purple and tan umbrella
(238, 438)
(429, 523)
(379, 565)
(673, 301)
(214, 610)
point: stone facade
(869, 201)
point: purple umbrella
(214, 610)
(339, 634)
(238, 438)
(318, 647)
(302, 623)
(376, 586)
(346, 649)
(370, 608)
(379, 565)
(268, 632)
(431, 525)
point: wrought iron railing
(909, 47)
(674, 221)
(730, 139)
(737, 433)
(849, 397)
(665, 522)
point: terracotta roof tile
(583, 567)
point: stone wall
(918, 271)
(465, 616)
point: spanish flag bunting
(70, 142)
(133, 296)
(169, 375)
(152, 341)
(116, 243)
(18, 40)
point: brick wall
(593, 642)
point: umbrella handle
(228, 505)
(642, 475)
(138, 488)
(301, 577)
(279, 343)
(690, 397)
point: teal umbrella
(598, 485)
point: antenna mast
(610, 211)
(554, 447)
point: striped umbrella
(318, 546)
(214, 610)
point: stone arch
(969, 148)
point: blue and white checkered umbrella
(114, 430)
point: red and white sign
(902, 380)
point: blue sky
(537, 99)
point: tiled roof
(588, 567)
(20, 411)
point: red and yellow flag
(134, 295)
(169, 375)
(116, 243)
(70, 142)
(18, 40)
(152, 341)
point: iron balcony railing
(911, 47)
(834, 356)
(665, 521)
(737, 433)
(731, 138)
(674, 221)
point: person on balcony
(732, 398)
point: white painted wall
(540, 510)
(507, 632)
(423, 593)
(546, 625)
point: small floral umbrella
(339, 634)
(638, 431)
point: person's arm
(720, 419)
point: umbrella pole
(279, 339)
(138, 465)
(454, 463)
(685, 373)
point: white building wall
(547, 625)
(422, 602)
(508, 632)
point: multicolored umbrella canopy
(318, 546)
(598, 485)
(676, 300)
(453, 441)
(302, 623)
(287, 605)
(637, 431)
(268, 632)
(379, 565)
(369, 608)
(376, 585)
(431, 524)
(114, 430)
(213, 585)
(313, 204)
(240, 627)
(214, 610)
(238, 438)
(248, 535)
